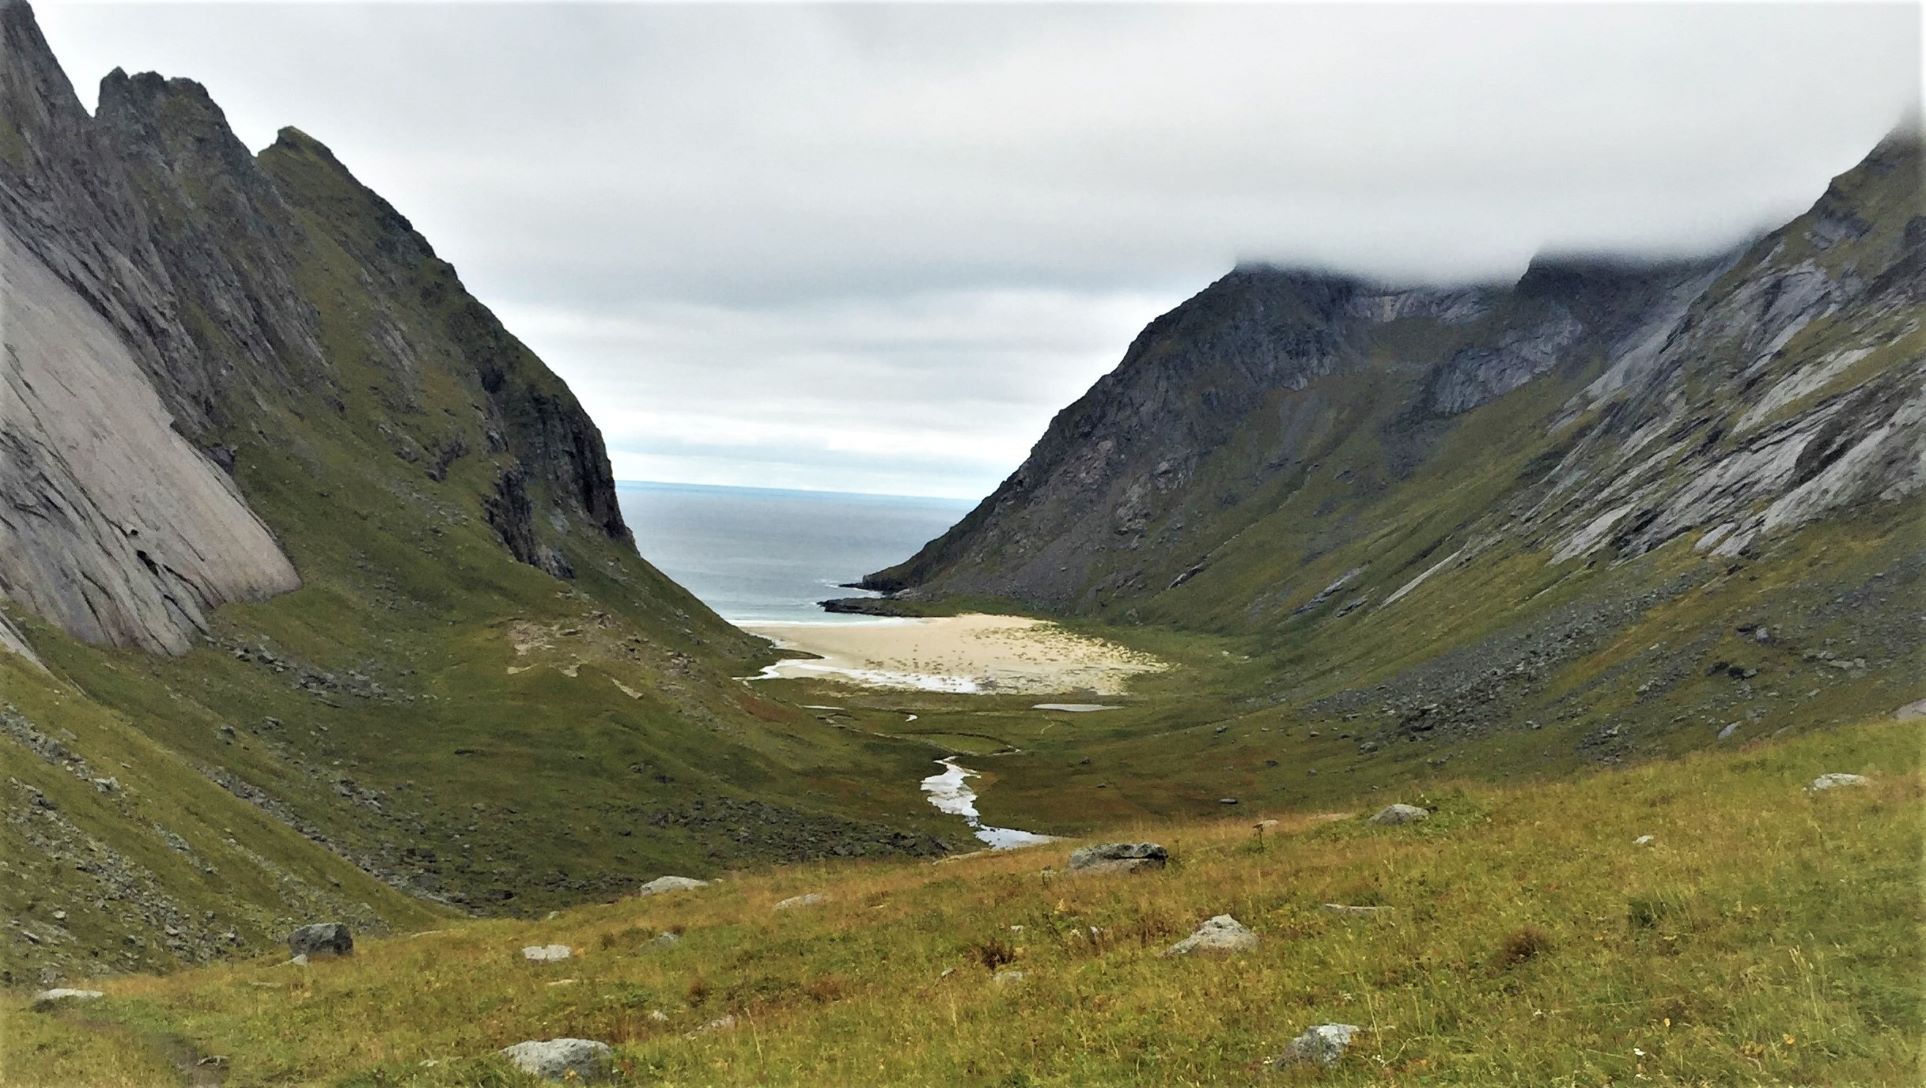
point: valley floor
(1763, 934)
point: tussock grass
(1764, 936)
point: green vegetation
(1764, 935)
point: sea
(760, 555)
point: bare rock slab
(1221, 934)
(663, 884)
(1118, 857)
(547, 953)
(794, 901)
(1321, 1045)
(47, 999)
(1837, 780)
(321, 939)
(583, 1060)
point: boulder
(321, 939)
(1837, 780)
(47, 999)
(547, 953)
(1400, 814)
(582, 1060)
(670, 884)
(795, 901)
(1118, 857)
(1221, 934)
(1322, 1045)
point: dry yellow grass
(1766, 935)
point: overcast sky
(875, 248)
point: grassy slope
(1767, 936)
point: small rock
(658, 1016)
(1227, 800)
(1726, 733)
(300, 960)
(667, 939)
(1643, 840)
(1347, 909)
(47, 999)
(1221, 934)
(321, 939)
(1262, 826)
(794, 901)
(60, 916)
(1837, 780)
(1323, 1044)
(1118, 857)
(1400, 814)
(670, 884)
(1007, 978)
(561, 1059)
(547, 953)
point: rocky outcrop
(575, 1060)
(1118, 857)
(321, 939)
(1220, 934)
(663, 884)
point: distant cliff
(1281, 420)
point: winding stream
(951, 793)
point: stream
(951, 793)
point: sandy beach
(969, 653)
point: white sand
(969, 653)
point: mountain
(1474, 500)
(313, 574)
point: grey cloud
(811, 232)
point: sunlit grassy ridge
(1765, 935)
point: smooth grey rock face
(47, 999)
(1114, 857)
(547, 953)
(321, 939)
(663, 884)
(1321, 1045)
(556, 1059)
(1221, 934)
(809, 900)
(1400, 814)
(1837, 780)
(131, 541)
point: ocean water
(759, 554)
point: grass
(1764, 936)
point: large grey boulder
(1118, 857)
(47, 999)
(1837, 780)
(1322, 1045)
(321, 939)
(1392, 815)
(670, 884)
(583, 1060)
(1221, 934)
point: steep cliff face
(406, 658)
(232, 282)
(1733, 399)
